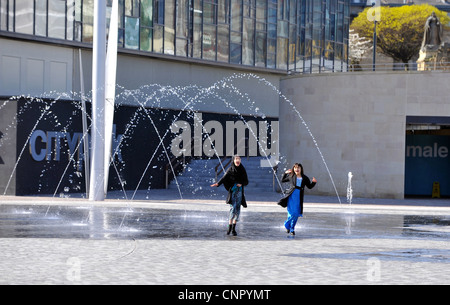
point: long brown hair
(297, 165)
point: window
(159, 11)
(261, 33)
(291, 35)
(57, 19)
(24, 17)
(146, 24)
(182, 27)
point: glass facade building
(303, 36)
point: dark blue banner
(50, 153)
(427, 161)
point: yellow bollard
(436, 190)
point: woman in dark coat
(293, 198)
(234, 181)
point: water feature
(148, 98)
(349, 188)
(160, 221)
(285, 99)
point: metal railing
(410, 67)
(220, 167)
(220, 164)
(379, 67)
(175, 163)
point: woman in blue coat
(293, 199)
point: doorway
(427, 156)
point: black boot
(234, 230)
(229, 229)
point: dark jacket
(292, 179)
(234, 175)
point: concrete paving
(164, 237)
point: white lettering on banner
(208, 138)
(47, 145)
(429, 151)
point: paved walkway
(159, 238)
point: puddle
(35, 221)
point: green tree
(400, 29)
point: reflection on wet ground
(413, 255)
(99, 222)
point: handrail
(217, 172)
(221, 169)
(379, 67)
(274, 172)
(168, 168)
(400, 67)
(172, 168)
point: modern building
(208, 79)
(265, 35)
(178, 60)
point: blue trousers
(236, 199)
(293, 210)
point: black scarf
(238, 174)
(234, 175)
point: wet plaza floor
(102, 222)
(185, 242)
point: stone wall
(358, 121)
